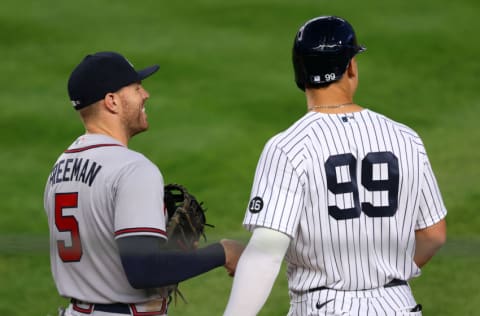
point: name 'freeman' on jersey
(74, 169)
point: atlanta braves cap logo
(256, 205)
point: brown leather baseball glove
(186, 223)
(186, 218)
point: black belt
(394, 282)
(117, 308)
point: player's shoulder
(129, 158)
(294, 134)
(129, 165)
(405, 130)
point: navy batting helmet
(322, 50)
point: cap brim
(144, 73)
(361, 49)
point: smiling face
(133, 116)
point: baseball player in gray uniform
(105, 206)
(346, 195)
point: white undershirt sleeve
(256, 272)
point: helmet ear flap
(322, 50)
(300, 71)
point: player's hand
(233, 250)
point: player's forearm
(256, 272)
(147, 266)
(251, 290)
(428, 241)
(424, 252)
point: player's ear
(352, 70)
(112, 102)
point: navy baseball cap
(101, 73)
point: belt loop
(136, 312)
(76, 307)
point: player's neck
(104, 130)
(330, 100)
(335, 108)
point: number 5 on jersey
(68, 223)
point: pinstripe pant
(397, 300)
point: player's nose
(145, 93)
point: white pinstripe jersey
(350, 190)
(98, 191)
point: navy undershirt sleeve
(147, 264)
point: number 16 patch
(256, 205)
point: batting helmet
(322, 50)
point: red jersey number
(73, 252)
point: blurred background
(224, 88)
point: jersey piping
(77, 150)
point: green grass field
(226, 86)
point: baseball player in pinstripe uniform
(105, 206)
(346, 195)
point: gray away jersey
(98, 191)
(350, 190)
